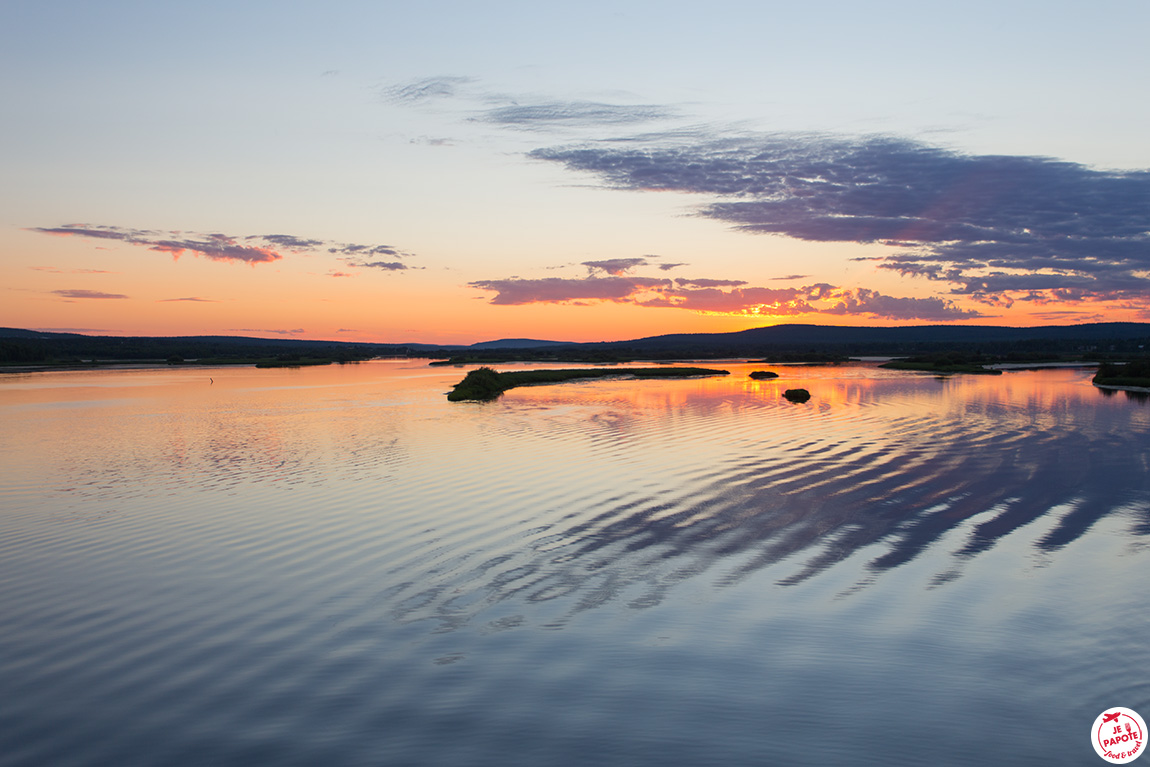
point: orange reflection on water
(890, 462)
(831, 386)
(705, 469)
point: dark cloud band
(985, 224)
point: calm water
(336, 566)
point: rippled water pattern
(336, 566)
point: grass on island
(298, 362)
(486, 384)
(1134, 373)
(945, 364)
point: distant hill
(800, 342)
(828, 335)
(20, 333)
(30, 346)
(778, 342)
(517, 343)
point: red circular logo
(1118, 735)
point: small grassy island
(1135, 373)
(484, 383)
(294, 361)
(945, 364)
(763, 375)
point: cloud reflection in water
(885, 466)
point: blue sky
(733, 164)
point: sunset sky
(459, 172)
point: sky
(450, 172)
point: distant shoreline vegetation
(485, 384)
(945, 364)
(940, 349)
(1133, 374)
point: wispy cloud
(572, 114)
(522, 112)
(365, 251)
(80, 293)
(218, 247)
(862, 301)
(615, 266)
(991, 227)
(514, 291)
(251, 249)
(288, 241)
(387, 266)
(433, 141)
(425, 89)
(750, 301)
(193, 299)
(276, 331)
(54, 270)
(704, 282)
(71, 330)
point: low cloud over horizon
(79, 293)
(249, 249)
(707, 296)
(279, 332)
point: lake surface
(336, 566)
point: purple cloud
(289, 241)
(513, 292)
(614, 266)
(990, 226)
(385, 265)
(250, 249)
(736, 301)
(217, 247)
(869, 302)
(365, 251)
(81, 293)
(709, 296)
(708, 283)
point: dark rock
(797, 395)
(760, 375)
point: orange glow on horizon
(64, 283)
